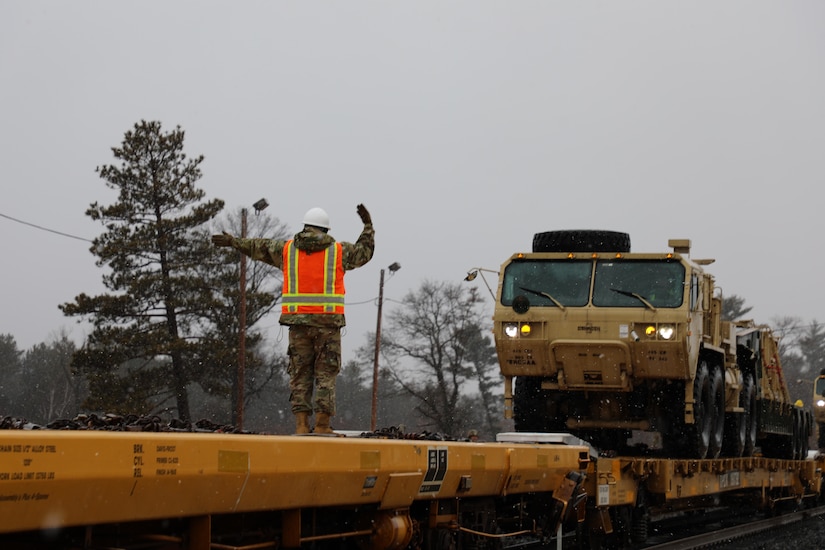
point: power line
(44, 228)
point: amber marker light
(650, 331)
(525, 329)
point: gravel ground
(808, 534)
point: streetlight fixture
(393, 267)
(258, 206)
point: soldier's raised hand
(364, 213)
(224, 239)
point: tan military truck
(629, 351)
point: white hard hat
(317, 217)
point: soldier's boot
(301, 423)
(322, 424)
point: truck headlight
(820, 403)
(666, 332)
(514, 330)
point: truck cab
(608, 344)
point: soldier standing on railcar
(313, 263)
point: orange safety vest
(313, 282)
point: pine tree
(146, 345)
(812, 347)
(11, 387)
(733, 308)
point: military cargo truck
(629, 351)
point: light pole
(393, 267)
(258, 206)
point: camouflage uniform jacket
(271, 251)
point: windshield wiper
(637, 296)
(540, 293)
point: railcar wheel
(640, 520)
(440, 539)
(717, 412)
(699, 433)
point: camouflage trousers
(314, 363)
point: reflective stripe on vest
(313, 282)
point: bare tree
(812, 348)
(436, 337)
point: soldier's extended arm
(356, 255)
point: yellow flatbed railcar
(51, 481)
(75, 489)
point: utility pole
(241, 332)
(374, 415)
(395, 266)
(258, 206)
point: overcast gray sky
(464, 126)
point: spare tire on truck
(581, 240)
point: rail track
(718, 534)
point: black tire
(717, 408)
(801, 431)
(736, 429)
(796, 436)
(821, 440)
(804, 442)
(699, 433)
(581, 240)
(747, 399)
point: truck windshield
(820, 386)
(639, 283)
(547, 283)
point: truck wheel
(747, 400)
(581, 240)
(736, 428)
(699, 433)
(796, 435)
(821, 439)
(804, 443)
(717, 412)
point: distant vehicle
(819, 408)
